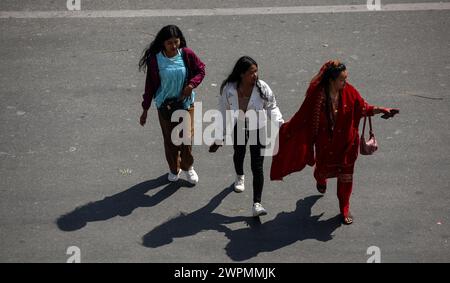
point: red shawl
(298, 136)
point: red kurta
(336, 152)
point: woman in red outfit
(328, 122)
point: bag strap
(370, 127)
(364, 127)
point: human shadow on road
(185, 225)
(284, 230)
(121, 204)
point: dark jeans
(257, 161)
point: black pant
(257, 161)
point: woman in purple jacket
(173, 71)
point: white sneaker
(173, 177)
(239, 184)
(191, 176)
(258, 210)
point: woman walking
(173, 72)
(328, 122)
(244, 92)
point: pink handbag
(370, 146)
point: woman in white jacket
(245, 103)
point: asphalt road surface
(77, 169)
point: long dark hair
(332, 73)
(242, 65)
(157, 45)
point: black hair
(242, 65)
(332, 73)
(157, 45)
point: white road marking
(221, 11)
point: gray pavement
(77, 169)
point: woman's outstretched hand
(388, 112)
(214, 147)
(143, 118)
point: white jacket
(228, 100)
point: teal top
(172, 72)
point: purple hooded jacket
(195, 73)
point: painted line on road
(221, 11)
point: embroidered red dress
(309, 139)
(336, 147)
